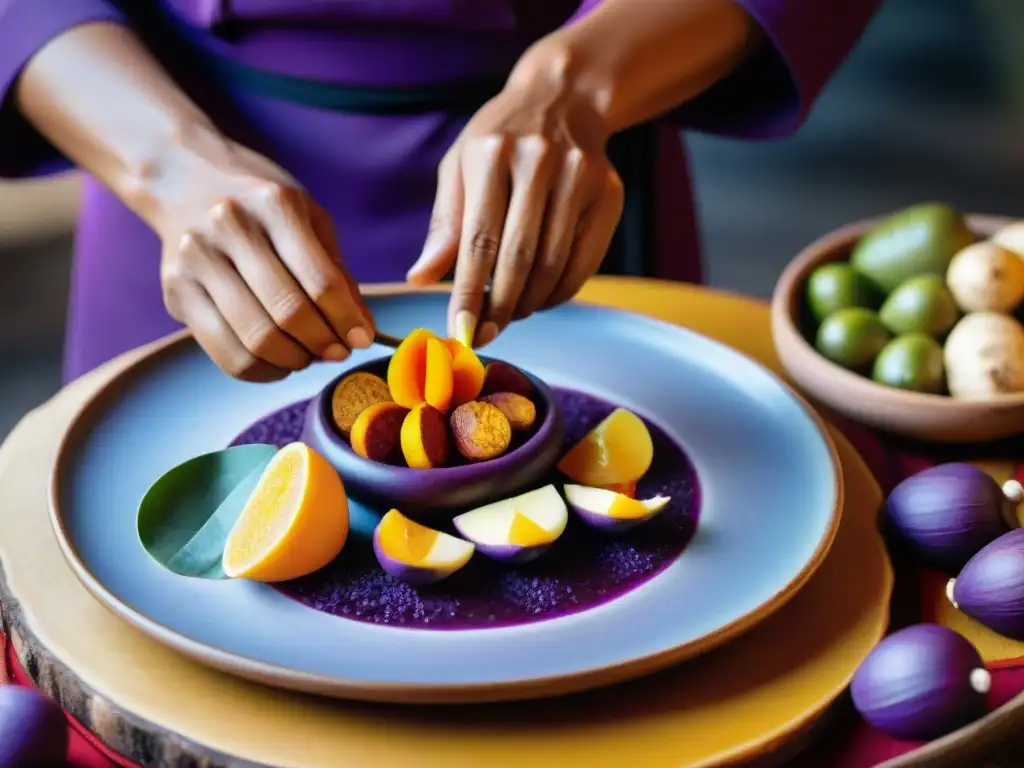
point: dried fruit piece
(353, 395)
(502, 377)
(425, 442)
(377, 433)
(467, 372)
(480, 430)
(407, 369)
(420, 371)
(520, 411)
(437, 381)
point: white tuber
(984, 356)
(985, 277)
(1011, 237)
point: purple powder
(584, 568)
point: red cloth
(859, 746)
(850, 743)
(84, 749)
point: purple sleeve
(25, 27)
(770, 94)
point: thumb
(442, 246)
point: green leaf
(186, 516)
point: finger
(246, 316)
(568, 200)
(243, 240)
(486, 176)
(322, 225)
(531, 180)
(213, 333)
(442, 245)
(594, 236)
(287, 220)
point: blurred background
(929, 107)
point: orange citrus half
(294, 523)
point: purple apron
(375, 173)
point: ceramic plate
(770, 499)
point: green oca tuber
(986, 277)
(984, 356)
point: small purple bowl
(418, 492)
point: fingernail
(358, 338)
(336, 352)
(488, 332)
(465, 327)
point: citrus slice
(294, 523)
(617, 451)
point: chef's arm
(98, 95)
(638, 59)
(740, 68)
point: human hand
(251, 265)
(526, 200)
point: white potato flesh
(491, 524)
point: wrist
(168, 174)
(555, 72)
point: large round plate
(770, 487)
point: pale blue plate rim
(137, 362)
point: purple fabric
(376, 175)
(770, 95)
(25, 27)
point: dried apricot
(407, 369)
(420, 371)
(437, 379)
(467, 372)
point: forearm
(637, 59)
(98, 95)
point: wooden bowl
(935, 418)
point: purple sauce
(584, 568)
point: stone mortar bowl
(437, 494)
